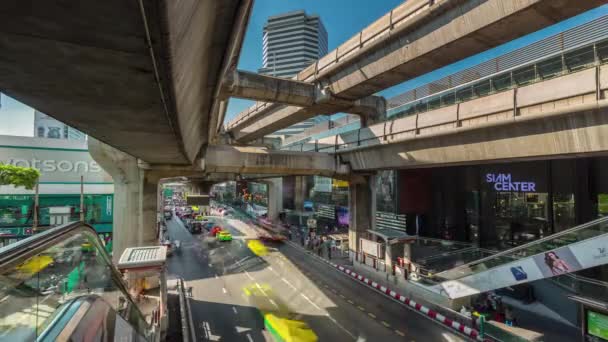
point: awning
(392, 235)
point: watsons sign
(56, 165)
(51, 165)
(504, 182)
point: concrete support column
(135, 198)
(149, 210)
(361, 209)
(300, 192)
(275, 198)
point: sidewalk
(343, 264)
(534, 317)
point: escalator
(575, 249)
(61, 285)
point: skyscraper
(291, 42)
(48, 127)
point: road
(231, 280)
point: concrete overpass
(142, 76)
(411, 40)
(561, 117)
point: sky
(17, 119)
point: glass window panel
(602, 51)
(434, 103)
(502, 82)
(421, 107)
(482, 88)
(550, 68)
(448, 99)
(524, 75)
(580, 58)
(464, 94)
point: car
(195, 227)
(224, 236)
(215, 230)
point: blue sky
(342, 19)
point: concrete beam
(246, 160)
(249, 85)
(273, 118)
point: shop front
(66, 169)
(499, 206)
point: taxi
(224, 236)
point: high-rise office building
(48, 127)
(291, 42)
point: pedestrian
(509, 316)
(331, 246)
(306, 242)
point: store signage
(52, 165)
(504, 182)
(56, 165)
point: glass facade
(500, 206)
(16, 213)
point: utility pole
(81, 198)
(35, 219)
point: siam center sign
(504, 182)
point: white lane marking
(273, 303)
(341, 327)
(310, 301)
(261, 289)
(288, 283)
(224, 290)
(234, 309)
(249, 338)
(217, 277)
(249, 275)
(209, 265)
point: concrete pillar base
(361, 209)
(275, 198)
(135, 218)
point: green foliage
(18, 176)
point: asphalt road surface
(233, 282)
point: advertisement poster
(385, 191)
(579, 255)
(343, 217)
(557, 262)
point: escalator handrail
(35, 244)
(526, 245)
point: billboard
(571, 258)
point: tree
(18, 176)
